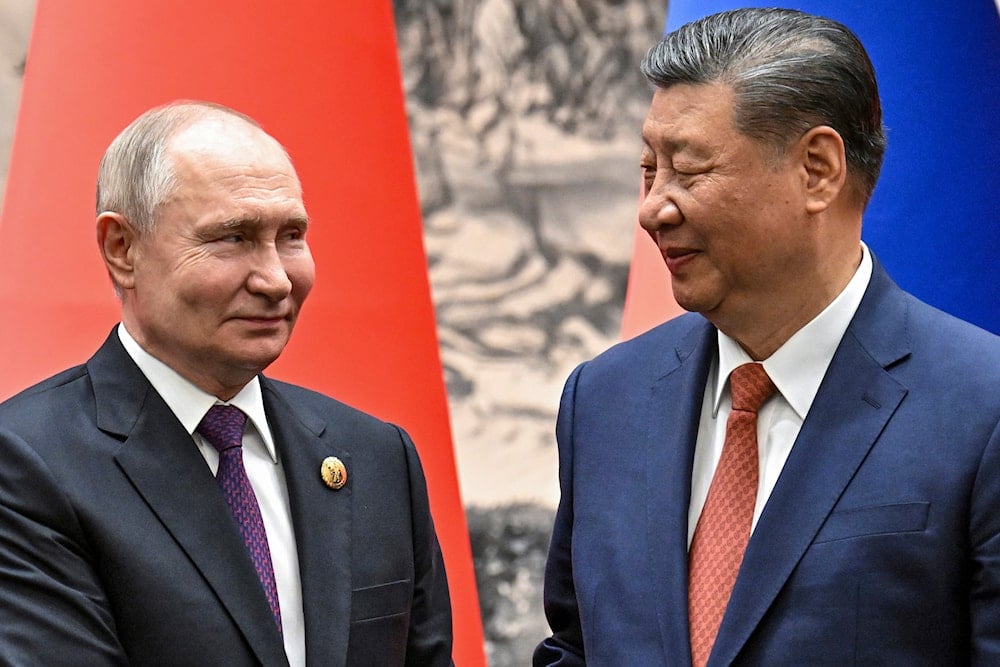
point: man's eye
(685, 170)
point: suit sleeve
(565, 646)
(985, 544)
(54, 610)
(429, 641)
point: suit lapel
(855, 401)
(166, 469)
(322, 522)
(676, 399)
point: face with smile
(215, 288)
(730, 217)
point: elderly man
(165, 503)
(805, 470)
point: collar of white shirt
(797, 367)
(188, 402)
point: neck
(769, 323)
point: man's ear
(116, 237)
(825, 161)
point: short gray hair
(790, 72)
(135, 175)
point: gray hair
(790, 72)
(135, 175)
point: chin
(257, 360)
(691, 303)
(695, 300)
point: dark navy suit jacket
(880, 543)
(116, 546)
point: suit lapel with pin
(322, 517)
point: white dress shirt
(189, 404)
(797, 369)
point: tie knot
(750, 387)
(223, 426)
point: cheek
(210, 291)
(302, 274)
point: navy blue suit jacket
(880, 543)
(116, 546)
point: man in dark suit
(117, 543)
(850, 512)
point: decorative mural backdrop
(15, 26)
(524, 119)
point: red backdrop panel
(324, 79)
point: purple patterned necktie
(223, 427)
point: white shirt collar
(797, 367)
(190, 403)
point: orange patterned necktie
(724, 526)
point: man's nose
(658, 209)
(268, 276)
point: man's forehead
(683, 110)
(691, 97)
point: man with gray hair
(166, 503)
(805, 469)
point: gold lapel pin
(333, 472)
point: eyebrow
(672, 145)
(675, 146)
(256, 221)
